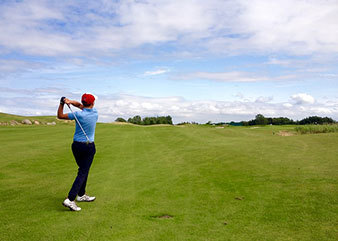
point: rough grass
(234, 183)
(314, 129)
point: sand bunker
(285, 133)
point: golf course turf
(171, 183)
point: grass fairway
(234, 183)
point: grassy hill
(171, 183)
(7, 118)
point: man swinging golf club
(83, 146)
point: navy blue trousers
(84, 155)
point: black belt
(84, 142)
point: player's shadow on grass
(58, 206)
(57, 203)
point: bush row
(262, 120)
(313, 129)
(147, 120)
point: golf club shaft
(78, 122)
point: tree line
(259, 120)
(147, 120)
(262, 120)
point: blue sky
(195, 60)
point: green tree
(316, 120)
(169, 120)
(135, 120)
(261, 120)
(151, 120)
(146, 121)
(245, 123)
(120, 119)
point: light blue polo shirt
(87, 118)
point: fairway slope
(171, 183)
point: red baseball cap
(87, 99)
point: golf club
(78, 122)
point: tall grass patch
(313, 129)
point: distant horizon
(175, 122)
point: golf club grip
(78, 122)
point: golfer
(83, 146)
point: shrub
(120, 119)
(313, 129)
(316, 120)
(151, 120)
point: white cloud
(264, 99)
(81, 28)
(329, 75)
(239, 95)
(299, 27)
(8, 66)
(302, 98)
(45, 101)
(282, 62)
(156, 72)
(78, 31)
(53, 28)
(227, 76)
(287, 105)
(234, 76)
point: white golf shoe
(85, 198)
(71, 205)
